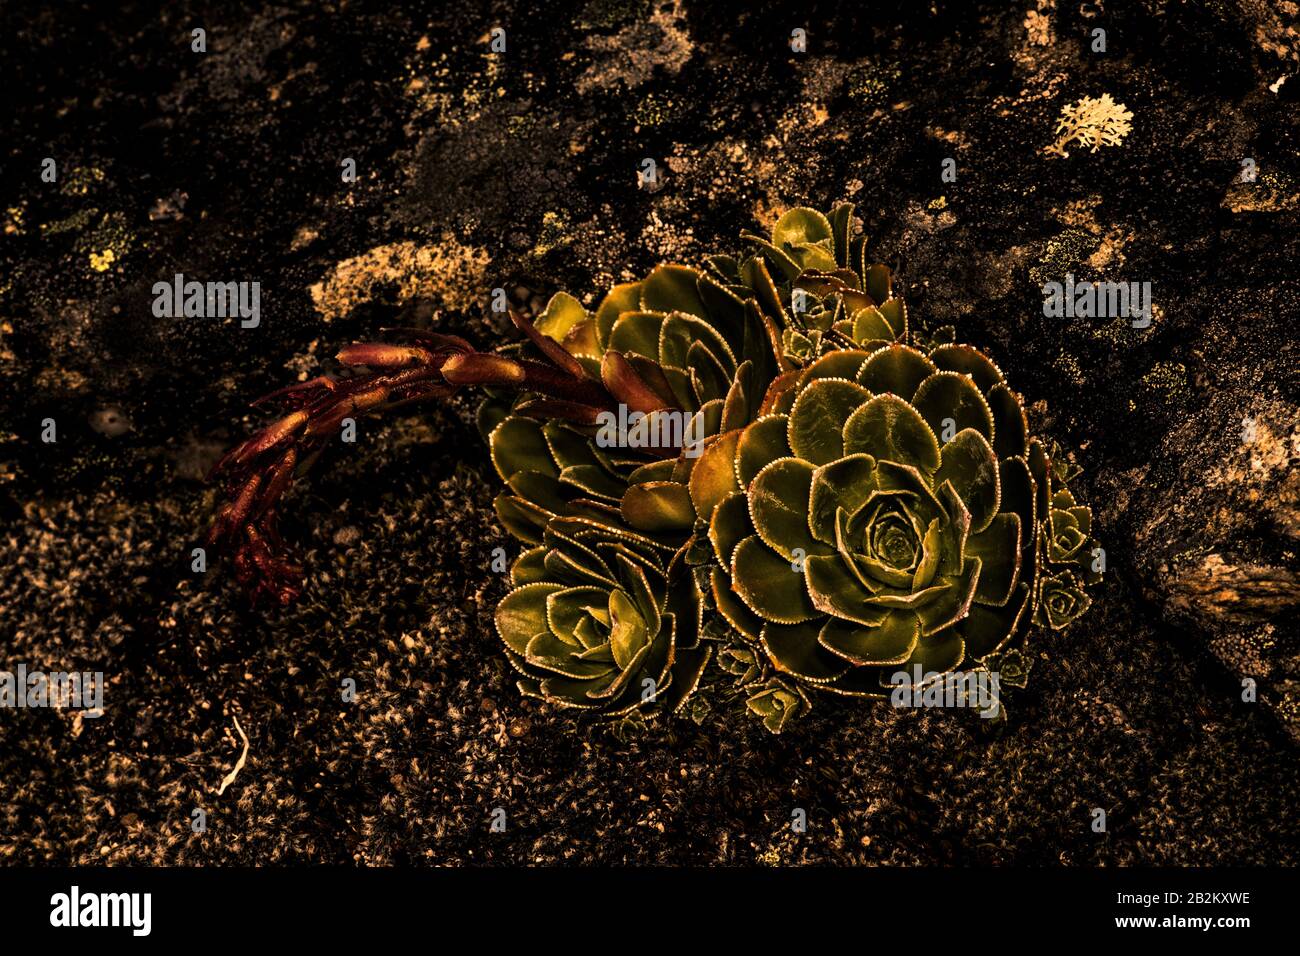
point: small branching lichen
(1093, 123)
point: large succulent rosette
(883, 516)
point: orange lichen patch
(1111, 251)
(1082, 214)
(766, 213)
(102, 261)
(1270, 451)
(79, 181)
(1272, 191)
(631, 56)
(1240, 592)
(951, 137)
(61, 381)
(1278, 37)
(1038, 28)
(448, 273)
(304, 237)
(1263, 468)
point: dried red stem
(257, 473)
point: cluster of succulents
(837, 499)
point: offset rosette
(653, 375)
(1073, 559)
(550, 469)
(812, 275)
(882, 516)
(680, 337)
(602, 619)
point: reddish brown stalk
(256, 473)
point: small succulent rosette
(604, 620)
(1073, 560)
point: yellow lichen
(1038, 27)
(448, 273)
(1091, 122)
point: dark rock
(520, 172)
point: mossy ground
(531, 158)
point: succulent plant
(762, 456)
(602, 619)
(812, 275)
(1073, 560)
(882, 516)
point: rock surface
(520, 170)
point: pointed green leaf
(969, 463)
(517, 444)
(637, 333)
(802, 225)
(834, 590)
(998, 548)
(841, 220)
(870, 324)
(879, 285)
(778, 506)
(672, 288)
(847, 484)
(1010, 428)
(966, 360)
(521, 518)
(951, 605)
(627, 629)
(521, 615)
(729, 525)
(714, 475)
(936, 653)
(529, 567)
(658, 506)
(680, 331)
(731, 607)
(795, 650)
(619, 299)
(761, 443)
(561, 315)
(843, 363)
